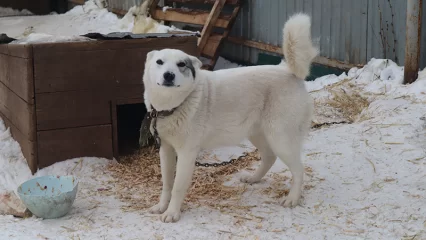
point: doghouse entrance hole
(129, 118)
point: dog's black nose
(168, 78)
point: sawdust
(136, 181)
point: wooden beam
(276, 49)
(230, 2)
(213, 43)
(210, 22)
(413, 36)
(78, 2)
(257, 45)
(225, 35)
(151, 5)
(194, 16)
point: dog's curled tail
(297, 45)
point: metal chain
(198, 164)
(154, 115)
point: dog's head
(171, 68)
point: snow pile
(13, 171)
(4, 12)
(46, 38)
(88, 18)
(365, 180)
(80, 20)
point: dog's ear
(150, 55)
(196, 62)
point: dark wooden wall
(17, 107)
(39, 7)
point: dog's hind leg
(267, 157)
(288, 149)
(168, 166)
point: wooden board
(19, 112)
(72, 109)
(28, 147)
(230, 2)
(17, 50)
(17, 74)
(194, 17)
(210, 22)
(59, 145)
(102, 64)
(212, 44)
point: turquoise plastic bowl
(49, 196)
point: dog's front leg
(184, 172)
(168, 166)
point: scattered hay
(350, 104)
(137, 181)
(277, 188)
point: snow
(88, 18)
(46, 38)
(367, 180)
(165, 8)
(4, 12)
(364, 180)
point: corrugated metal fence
(346, 30)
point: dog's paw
(170, 216)
(291, 200)
(158, 208)
(249, 179)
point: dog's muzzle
(169, 79)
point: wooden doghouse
(59, 99)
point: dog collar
(151, 118)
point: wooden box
(58, 98)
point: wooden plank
(95, 66)
(28, 147)
(230, 2)
(114, 119)
(151, 5)
(194, 16)
(72, 109)
(77, 2)
(59, 145)
(128, 91)
(16, 50)
(81, 108)
(212, 45)
(20, 50)
(276, 49)
(257, 45)
(161, 40)
(19, 112)
(17, 74)
(129, 101)
(225, 36)
(209, 24)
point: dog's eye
(181, 64)
(160, 62)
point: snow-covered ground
(364, 179)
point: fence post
(412, 40)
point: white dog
(268, 105)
